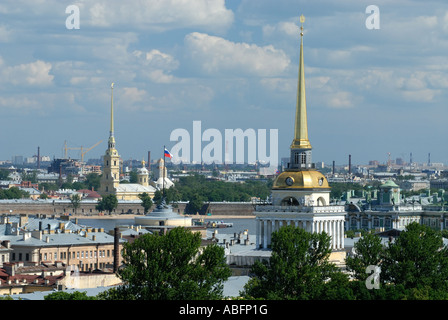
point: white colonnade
(334, 227)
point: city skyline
(229, 65)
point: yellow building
(301, 194)
(110, 180)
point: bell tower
(111, 166)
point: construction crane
(83, 151)
(88, 149)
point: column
(257, 227)
(338, 234)
(333, 233)
(265, 235)
(341, 236)
(269, 231)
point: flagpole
(163, 192)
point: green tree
(75, 201)
(157, 199)
(297, 269)
(146, 201)
(171, 267)
(4, 174)
(417, 259)
(13, 193)
(368, 251)
(133, 177)
(93, 181)
(194, 205)
(61, 295)
(107, 203)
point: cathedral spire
(301, 125)
(111, 133)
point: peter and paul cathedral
(110, 179)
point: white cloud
(282, 28)
(35, 73)
(162, 15)
(157, 66)
(216, 55)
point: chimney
(8, 229)
(37, 234)
(23, 220)
(6, 244)
(349, 164)
(116, 248)
(10, 268)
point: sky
(228, 64)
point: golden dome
(300, 179)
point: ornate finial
(302, 20)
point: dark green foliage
(61, 295)
(417, 259)
(171, 267)
(217, 190)
(146, 201)
(298, 268)
(194, 205)
(13, 193)
(107, 203)
(369, 251)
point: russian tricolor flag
(168, 154)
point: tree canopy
(217, 190)
(297, 269)
(171, 267)
(107, 203)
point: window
(303, 158)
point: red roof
(90, 193)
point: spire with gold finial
(301, 126)
(111, 133)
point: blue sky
(229, 64)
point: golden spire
(111, 133)
(301, 125)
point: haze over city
(230, 65)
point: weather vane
(302, 20)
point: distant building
(415, 185)
(37, 240)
